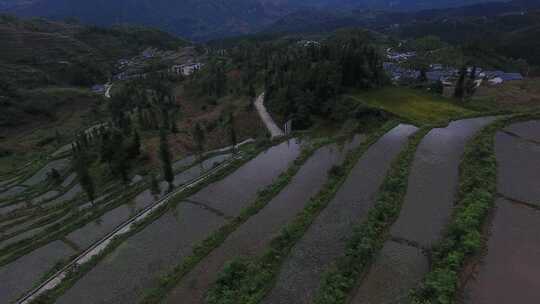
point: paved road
(510, 272)
(274, 130)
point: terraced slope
(300, 275)
(40, 260)
(136, 264)
(509, 271)
(426, 211)
(254, 235)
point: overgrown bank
(248, 280)
(170, 280)
(463, 237)
(50, 296)
(369, 237)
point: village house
(186, 69)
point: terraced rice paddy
(300, 276)
(425, 212)
(139, 261)
(254, 235)
(39, 260)
(509, 271)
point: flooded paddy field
(22, 274)
(397, 269)
(140, 260)
(509, 271)
(256, 233)
(426, 210)
(433, 182)
(27, 227)
(519, 168)
(325, 240)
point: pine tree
(81, 163)
(459, 92)
(135, 149)
(165, 156)
(470, 87)
(154, 185)
(232, 132)
(200, 138)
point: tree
(470, 86)
(135, 149)
(165, 156)
(459, 92)
(232, 132)
(81, 164)
(200, 138)
(154, 185)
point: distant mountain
(201, 19)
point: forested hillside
(43, 63)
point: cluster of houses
(186, 69)
(437, 72)
(398, 56)
(447, 75)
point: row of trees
(139, 106)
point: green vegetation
(369, 237)
(217, 238)
(248, 280)
(75, 274)
(412, 105)
(463, 239)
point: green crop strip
(50, 296)
(248, 280)
(369, 237)
(169, 281)
(463, 239)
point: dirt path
(274, 130)
(426, 210)
(325, 240)
(510, 272)
(140, 260)
(254, 235)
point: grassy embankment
(248, 280)
(369, 236)
(463, 238)
(169, 281)
(72, 277)
(414, 106)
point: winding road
(270, 124)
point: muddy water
(529, 130)
(253, 236)
(41, 175)
(93, 231)
(233, 193)
(122, 275)
(134, 266)
(433, 182)
(45, 197)
(15, 190)
(398, 269)
(510, 271)
(325, 240)
(21, 275)
(69, 180)
(519, 168)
